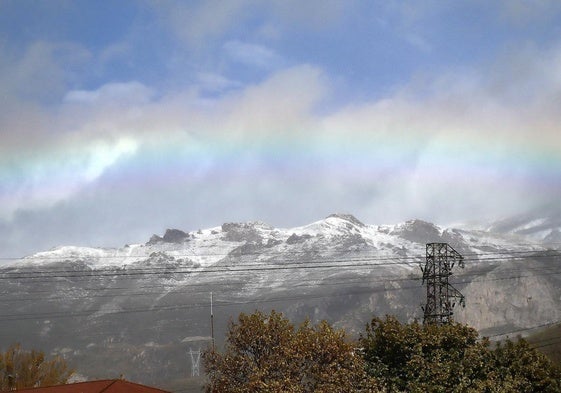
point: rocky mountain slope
(139, 309)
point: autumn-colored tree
(266, 353)
(20, 369)
(452, 358)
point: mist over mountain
(137, 310)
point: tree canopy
(452, 358)
(266, 353)
(20, 368)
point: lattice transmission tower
(195, 362)
(441, 295)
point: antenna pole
(211, 322)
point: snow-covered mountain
(137, 310)
(541, 224)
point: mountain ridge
(138, 302)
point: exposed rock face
(418, 231)
(175, 236)
(154, 239)
(500, 301)
(171, 236)
(348, 217)
(244, 231)
(295, 239)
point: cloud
(212, 82)
(477, 142)
(48, 157)
(281, 104)
(252, 54)
(95, 129)
(522, 13)
(40, 71)
(408, 19)
(464, 143)
(128, 93)
(115, 53)
(194, 23)
(198, 23)
(396, 144)
(58, 172)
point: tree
(524, 368)
(20, 369)
(452, 358)
(266, 353)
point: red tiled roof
(104, 386)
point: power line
(224, 304)
(57, 315)
(295, 280)
(173, 254)
(243, 270)
(253, 269)
(251, 266)
(38, 256)
(298, 283)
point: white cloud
(252, 54)
(103, 155)
(280, 107)
(60, 171)
(212, 82)
(197, 23)
(117, 51)
(447, 142)
(198, 146)
(128, 93)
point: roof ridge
(108, 386)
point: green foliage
(452, 358)
(266, 353)
(20, 369)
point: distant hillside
(143, 307)
(548, 341)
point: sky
(119, 119)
